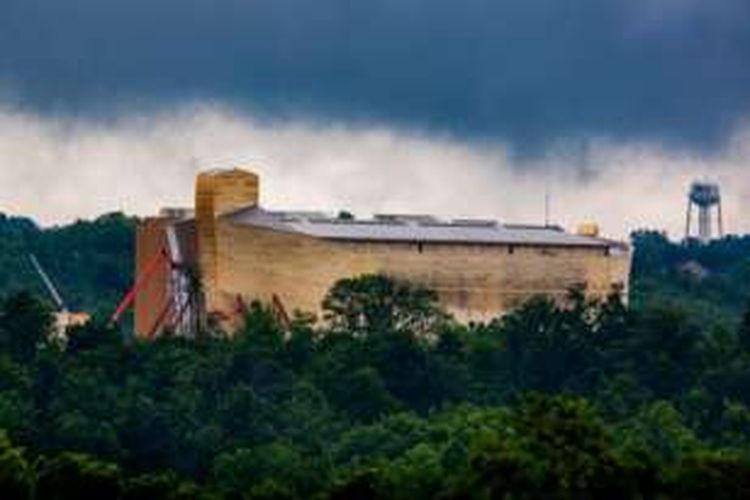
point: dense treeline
(712, 281)
(91, 262)
(390, 400)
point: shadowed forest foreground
(390, 400)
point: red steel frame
(140, 283)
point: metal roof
(413, 229)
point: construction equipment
(64, 319)
(180, 311)
(140, 282)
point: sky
(471, 108)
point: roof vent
(406, 218)
(535, 227)
(475, 222)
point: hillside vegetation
(712, 282)
(90, 262)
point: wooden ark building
(239, 252)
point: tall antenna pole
(546, 206)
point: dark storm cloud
(530, 71)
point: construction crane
(48, 284)
(64, 319)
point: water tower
(707, 198)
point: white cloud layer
(56, 170)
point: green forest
(90, 262)
(390, 399)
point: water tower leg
(704, 224)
